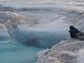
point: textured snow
(68, 51)
(80, 56)
(64, 52)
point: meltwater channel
(13, 52)
(47, 29)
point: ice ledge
(67, 51)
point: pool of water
(16, 53)
(48, 30)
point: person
(75, 33)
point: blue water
(38, 39)
(15, 52)
(30, 43)
(25, 52)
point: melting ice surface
(50, 30)
(12, 52)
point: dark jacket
(73, 32)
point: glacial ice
(67, 51)
(38, 35)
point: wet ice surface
(69, 51)
(45, 19)
(81, 56)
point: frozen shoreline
(68, 51)
(64, 52)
